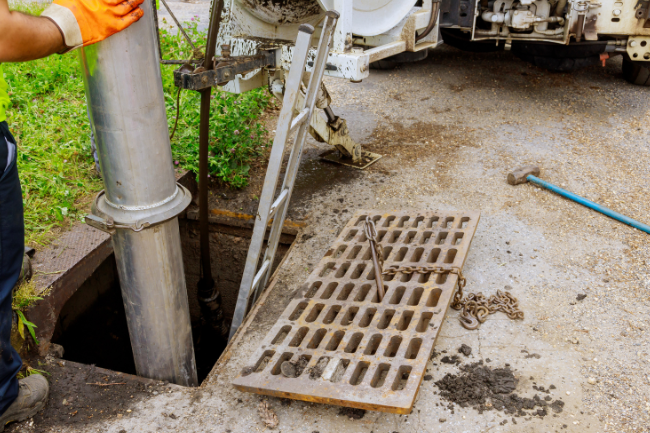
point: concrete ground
(451, 128)
(184, 11)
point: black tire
(636, 72)
(458, 39)
(394, 61)
(560, 64)
(560, 58)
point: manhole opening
(92, 325)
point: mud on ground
(82, 395)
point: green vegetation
(24, 296)
(49, 120)
(28, 371)
(237, 138)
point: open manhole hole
(92, 325)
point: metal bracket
(200, 78)
(135, 220)
(337, 134)
(643, 10)
(638, 48)
(105, 225)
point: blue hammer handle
(590, 204)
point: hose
(559, 8)
(552, 32)
(208, 293)
(588, 203)
(435, 8)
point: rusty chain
(475, 306)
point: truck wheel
(394, 61)
(636, 72)
(560, 58)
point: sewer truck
(558, 35)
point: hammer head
(519, 175)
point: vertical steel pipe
(141, 200)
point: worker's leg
(12, 238)
(22, 399)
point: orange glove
(85, 22)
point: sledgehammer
(529, 173)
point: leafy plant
(24, 296)
(29, 371)
(237, 137)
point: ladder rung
(278, 202)
(259, 275)
(297, 121)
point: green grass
(48, 118)
(236, 138)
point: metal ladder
(254, 279)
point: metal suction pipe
(141, 200)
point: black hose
(208, 293)
(435, 8)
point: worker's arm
(24, 37)
(64, 25)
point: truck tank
(369, 18)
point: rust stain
(246, 217)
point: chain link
(475, 306)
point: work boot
(32, 395)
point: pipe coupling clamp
(108, 217)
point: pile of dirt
(484, 388)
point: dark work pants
(12, 248)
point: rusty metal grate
(343, 345)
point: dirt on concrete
(352, 413)
(465, 350)
(83, 395)
(450, 359)
(484, 388)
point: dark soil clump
(465, 350)
(352, 413)
(316, 371)
(450, 359)
(484, 388)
